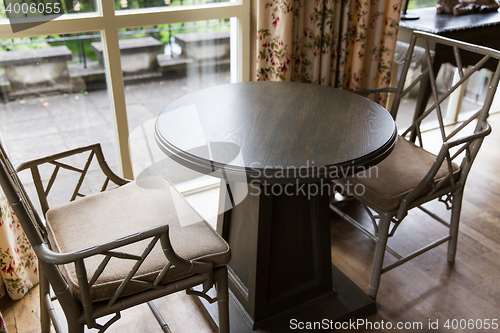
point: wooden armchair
(411, 175)
(113, 250)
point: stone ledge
(133, 45)
(165, 60)
(202, 46)
(3, 81)
(4, 87)
(27, 92)
(35, 56)
(200, 37)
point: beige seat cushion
(390, 180)
(116, 213)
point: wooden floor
(424, 290)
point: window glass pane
(165, 62)
(83, 6)
(3, 15)
(137, 4)
(421, 4)
(53, 97)
(475, 90)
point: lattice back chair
(110, 251)
(411, 175)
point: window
(99, 27)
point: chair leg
(220, 275)
(378, 260)
(455, 219)
(44, 312)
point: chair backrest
(36, 232)
(460, 142)
(19, 199)
(57, 162)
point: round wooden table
(279, 143)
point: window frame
(108, 21)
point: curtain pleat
(18, 261)
(344, 44)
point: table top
(432, 22)
(256, 127)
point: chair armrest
(427, 181)
(51, 257)
(157, 233)
(162, 231)
(469, 138)
(445, 151)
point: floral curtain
(3, 328)
(18, 261)
(347, 44)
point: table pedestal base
(281, 267)
(350, 302)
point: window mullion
(155, 16)
(68, 24)
(240, 45)
(114, 77)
